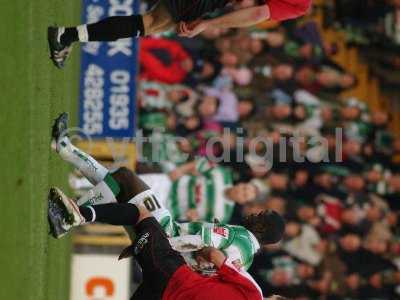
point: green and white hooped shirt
(206, 193)
(238, 244)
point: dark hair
(267, 226)
(253, 108)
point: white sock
(86, 164)
(99, 194)
(79, 183)
(83, 34)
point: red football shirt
(228, 284)
(287, 9)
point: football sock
(109, 29)
(112, 213)
(86, 164)
(102, 193)
(79, 183)
(71, 35)
(113, 28)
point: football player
(238, 243)
(187, 16)
(166, 275)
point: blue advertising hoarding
(108, 75)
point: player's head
(267, 226)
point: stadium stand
(302, 78)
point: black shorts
(191, 10)
(129, 183)
(157, 259)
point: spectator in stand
(338, 189)
(324, 78)
(164, 60)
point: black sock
(114, 28)
(112, 213)
(69, 36)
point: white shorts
(160, 184)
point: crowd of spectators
(374, 26)
(330, 165)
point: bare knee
(148, 23)
(125, 178)
(156, 20)
(144, 213)
(129, 183)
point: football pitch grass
(33, 266)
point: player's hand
(192, 215)
(191, 29)
(144, 213)
(182, 170)
(176, 174)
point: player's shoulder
(237, 228)
(232, 231)
(245, 236)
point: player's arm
(195, 167)
(182, 170)
(241, 18)
(236, 19)
(277, 10)
(138, 192)
(235, 256)
(131, 182)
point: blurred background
(331, 76)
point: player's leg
(158, 20)
(136, 189)
(118, 27)
(87, 165)
(105, 188)
(110, 29)
(104, 192)
(155, 255)
(123, 183)
(64, 213)
(151, 249)
(121, 186)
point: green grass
(32, 93)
